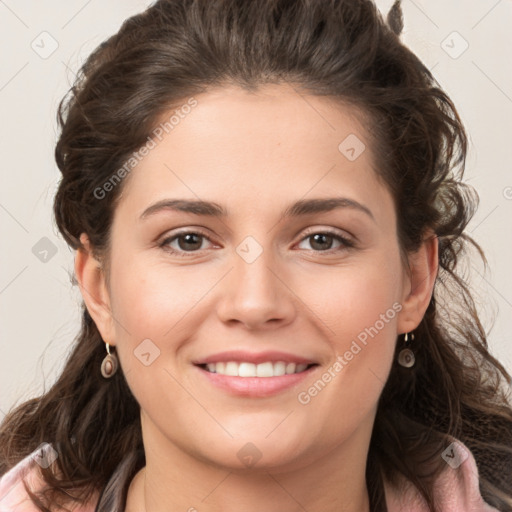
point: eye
(323, 241)
(187, 241)
(192, 241)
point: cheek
(359, 310)
(151, 310)
(355, 300)
(152, 300)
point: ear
(91, 280)
(419, 284)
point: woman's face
(198, 301)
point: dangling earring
(406, 356)
(109, 365)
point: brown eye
(189, 241)
(186, 241)
(323, 241)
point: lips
(240, 356)
(237, 363)
(255, 374)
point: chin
(255, 451)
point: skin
(255, 154)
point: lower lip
(255, 386)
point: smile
(246, 369)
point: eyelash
(346, 243)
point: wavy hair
(343, 49)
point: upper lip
(241, 356)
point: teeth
(246, 370)
(290, 368)
(267, 369)
(231, 369)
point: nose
(256, 294)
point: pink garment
(13, 496)
(457, 487)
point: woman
(266, 204)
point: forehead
(239, 146)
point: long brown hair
(343, 49)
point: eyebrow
(299, 208)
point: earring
(406, 356)
(109, 365)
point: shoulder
(13, 495)
(455, 490)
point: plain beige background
(466, 43)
